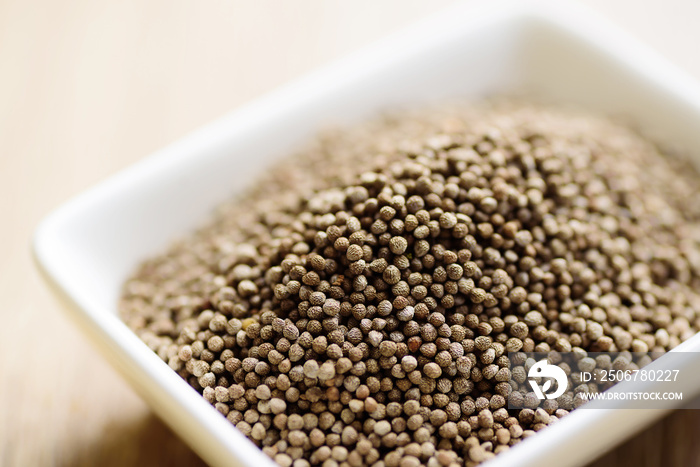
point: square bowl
(555, 50)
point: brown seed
(398, 245)
(432, 370)
(382, 427)
(361, 306)
(354, 252)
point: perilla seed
(357, 305)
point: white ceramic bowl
(560, 51)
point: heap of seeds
(356, 307)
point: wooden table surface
(87, 88)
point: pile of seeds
(356, 306)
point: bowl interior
(137, 212)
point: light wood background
(89, 86)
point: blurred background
(87, 88)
